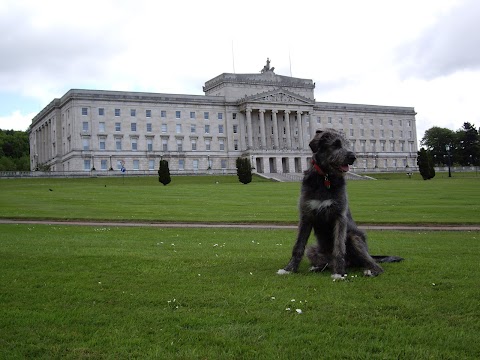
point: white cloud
(16, 121)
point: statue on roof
(267, 67)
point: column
(300, 130)
(287, 129)
(241, 131)
(263, 137)
(312, 125)
(275, 130)
(249, 129)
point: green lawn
(223, 199)
(116, 293)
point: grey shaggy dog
(323, 207)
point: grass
(110, 293)
(223, 199)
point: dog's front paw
(336, 277)
(283, 272)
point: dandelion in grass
(299, 311)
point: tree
(14, 150)
(467, 145)
(435, 140)
(425, 164)
(164, 173)
(244, 170)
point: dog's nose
(351, 158)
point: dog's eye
(337, 144)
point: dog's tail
(387, 259)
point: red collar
(317, 168)
(320, 172)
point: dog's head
(331, 152)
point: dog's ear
(314, 143)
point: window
(103, 164)
(181, 164)
(392, 145)
(401, 133)
(220, 116)
(101, 126)
(205, 115)
(372, 133)
(179, 145)
(164, 128)
(195, 165)
(235, 144)
(409, 123)
(84, 111)
(133, 112)
(136, 164)
(192, 114)
(361, 121)
(371, 121)
(149, 145)
(382, 133)
(86, 144)
(318, 119)
(118, 126)
(351, 132)
(177, 114)
(149, 127)
(133, 126)
(101, 111)
(381, 122)
(163, 114)
(85, 126)
(164, 145)
(222, 144)
(220, 129)
(340, 121)
(194, 145)
(117, 112)
(234, 116)
(350, 121)
(118, 144)
(86, 165)
(391, 133)
(151, 165)
(207, 129)
(119, 164)
(400, 122)
(101, 144)
(134, 144)
(329, 120)
(193, 128)
(223, 164)
(362, 132)
(235, 129)
(148, 113)
(382, 145)
(178, 128)
(390, 122)
(207, 145)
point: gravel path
(236, 226)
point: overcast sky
(419, 53)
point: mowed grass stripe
(111, 292)
(224, 199)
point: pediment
(278, 96)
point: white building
(268, 117)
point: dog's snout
(351, 158)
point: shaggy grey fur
(323, 207)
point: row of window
(104, 164)
(134, 144)
(148, 113)
(364, 122)
(164, 128)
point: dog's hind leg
(359, 252)
(304, 230)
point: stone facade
(268, 117)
